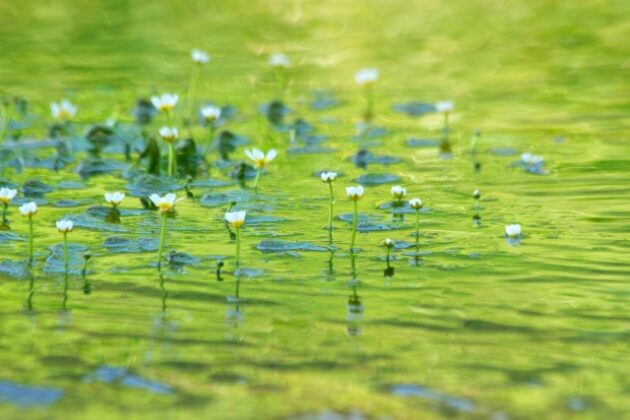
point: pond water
(464, 324)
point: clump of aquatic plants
(354, 194)
(329, 178)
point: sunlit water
(469, 324)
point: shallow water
(470, 324)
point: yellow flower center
(237, 224)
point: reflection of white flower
(63, 110)
(513, 231)
(366, 76)
(210, 113)
(65, 226)
(355, 193)
(235, 219)
(531, 159)
(28, 209)
(259, 158)
(328, 177)
(199, 57)
(388, 243)
(166, 203)
(444, 106)
(398, 192)
(169, 134)
(6, 195)
(476, 194)
(415, 203)
(166, 102)
(114, 198)
(279, 60)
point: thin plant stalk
(192, 90)
(446, 123)
(330, 212)
(355, 220)
(369, 109)
(66, 259)
(209, 144)
(417, 226)
(5, 209)
(256, 181)
(162, 238)
(238, 262)
(30, 240)
(171, 159)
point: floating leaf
(377, 179)
(87, 221)
(310, 150)
(272, 245)
(94, 167)
(99, 137)
(364, 157)
(414, 109)
(54, 262)
(144, 111)
(410, 390)
(116, 244)
(28, 396)
(189, 162)
(323, 100)
(6, 236)
(377, 227)
(34, 188)
(423, 142)
(243, 171)
(223, 198)
(145, 185)
(17, 269)
(227, 142)
(181, 258)
(275, 112)
(120, 376)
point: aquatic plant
(169, 135)
(65, 226)
(445, 107)
(165, 103)
(29, 210)
(389, 270)
(236, 220)
(366, 79)
(165, 205)
(199, 59)
(354, 194)
(280, 63)
(210, 115)
(260, 160)
(329, 178)
(63, 111)
(6, 195)
(416, 204)
(513, 231)
(114, 198)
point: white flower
(166, 102)
(476, 194)
(444, 106)
(260, 158)
(398, 192)
(235, 219)
(114, 198)
(366, 76)
(328, 177)
(199, 56)
(211, 113)
(63, 110)
(279, 60)
(166, 203)
(513, 231)
(6, 195)
(28, 209)
(169, 134)
(65, 226)
(531, 159)
(415, 203)
(355, 193)
(388, 243)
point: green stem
(192, 88)
(387, 258)
(256, 181)
(172, 163)
(30, 240)
(65, 252)
(209, 144)
(164, 292)
(417, 226)
(369, 110)
(162, 237)
(355, 220)
(31, 291)
(446, 123)
(330, 212)
(4, 213)
(238, 249)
